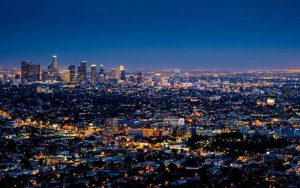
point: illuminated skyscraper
(157, 79)
(122, 72)
(5, 77)
(164, 81)
(45, 76)
(65, 75)
(30, 72)
(72, 73)
(82, 71)
(93, 73)
(139, 78)
(53, 69)
(101, 73)
(113, 75)
(101, 70)
(177, 74)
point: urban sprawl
(87, 126)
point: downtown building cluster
(31, 72)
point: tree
(172, 167)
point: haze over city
(150, 35)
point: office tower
(72, 73)
(65, 75)
(157, 79)
(101, 73)
(45, 76)
(5, 77)
(122, 72)
(139, 78)
(112, 74)
(53, 69)
(164, 81)
(17, 79)
(82, 71)
(30, 72)
(176, 79)
(101, 70)
(93, 73)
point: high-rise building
(82, 71)
(101, 70)
(5, 77)
(164, 81)
(93, 73)
(72, 73)
(53, 69)
(45, 76)
(17, 79)
(176, 78)
(65, 75)
(101, 73)
(112, 74)
(157, 79)
(30, 72)
(139, 78)
(122, 72)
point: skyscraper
(65, 75)
(122, 72)
(5, 77)
(157, 79)
(177, 75)
(45, 76)
(72, 73)
(112, 76)
(101, 73)
(53, 70)
(139, 78)
(101, 70)
(82, 71)
(30, 71)
(93, 73)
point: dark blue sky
(153, 34)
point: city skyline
(150, 93)
(215, 35)
(64, 66)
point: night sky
(153, 34)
